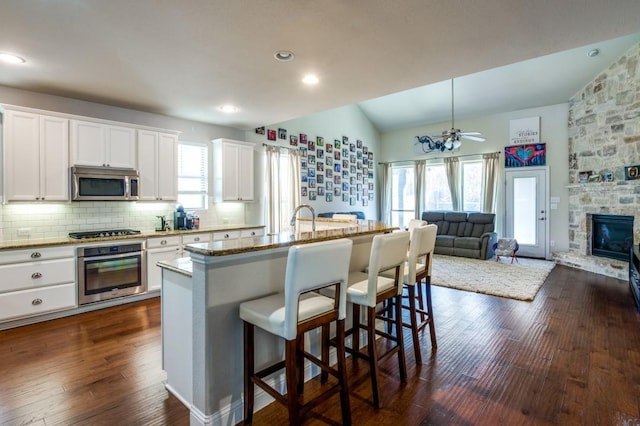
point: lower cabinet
(160, 249)
(37, 281)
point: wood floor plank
(571, 356)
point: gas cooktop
(102, 234)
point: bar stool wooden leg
(373, 355)
(248, 373)
(355, 336)
(411, 291)
(342, 371)
(324, 376)
(400, 336)
(300, 364)
(432, 326)
(291, 365)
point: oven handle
(110, 256)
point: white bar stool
(292, 313)
(368, 289)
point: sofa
(464, 234)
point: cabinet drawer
(22, 276)
(163, 242)
(196, 238)
(36, 254)
(225, 235)
(37, 301)
(248, 233)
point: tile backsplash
(55, 220)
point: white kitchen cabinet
(103, 145)
(202, 237)
(157, 165)
(36, 157)
(37, 281)
(233, 170)
(226, 235)
(159, 249)
(252, 232)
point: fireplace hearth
(611, 236)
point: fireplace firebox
(611, 236)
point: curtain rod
(439, 158)
(279, 146)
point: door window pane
(524, 210)
(402, 196)
(472, 186)
(437, 194)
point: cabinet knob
(35, 255)
(253, 233)
(36, 275)
(36, 302)
(163, 242)
(226, 235)
(196, 239)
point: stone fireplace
(604, 137)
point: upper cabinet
(102, 145)
(157, 165)
(36, 157)
(233, 170)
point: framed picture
(345, 197)
(271, 135)
(631, 172)
(320, 166)
(336, 143)
(329, 197)
(303, 139)
(293, 140)
(321, 191)
(607, 177)
(595, 178)
(320, 178)
(282, 133)
(312, 195)
(260, 130)
(320, 141)
(304, 191)
(311, 145)
(525, 155)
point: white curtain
(452, 167)
(419, 170)
(385, 193)
(282, 186)
(490, 164)
(273, 194)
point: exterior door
(526, 210)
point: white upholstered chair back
(387, 251)
(313, 266)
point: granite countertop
(183, 266)
(285, 239)
(59, 241)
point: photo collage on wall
(338, 170)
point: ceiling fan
(448, 140)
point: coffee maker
(180, 218)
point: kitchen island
(201, 328)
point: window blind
(192, 175)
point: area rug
(519, 281)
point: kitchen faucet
(313, 217)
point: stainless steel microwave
(104, 184)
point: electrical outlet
(24, 232)
(552, 243)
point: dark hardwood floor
(572, 356)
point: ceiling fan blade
(471, 133)
(473, 138)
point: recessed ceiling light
(228, 109)
(310, 79)
(11, 59)
(593, 53)
(284, 55)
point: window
(402, 195)
(471, 186)
(192, 175)
(437, 193)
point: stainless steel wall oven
(111, 271)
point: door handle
(542, 218)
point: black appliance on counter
(181, 219)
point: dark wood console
(634, 275)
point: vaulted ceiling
(186, 58)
